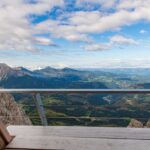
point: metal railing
(40, 106)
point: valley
(82, 109)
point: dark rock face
(5, 70)
(135, 124)
(11, 112)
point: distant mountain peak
(50, 68)
(4, 65)
(22, 69)
(68, 69)
(5, 70)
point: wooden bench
(74, 138)
(79, 138)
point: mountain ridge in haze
(48, 77)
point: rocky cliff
(135, 124)
(11, 112)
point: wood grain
(81, 132)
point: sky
(75, 33)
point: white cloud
(126, 13)
(121, 40)
(78, 26)
(44, 41)
(114, 41)
(103, 3)
(143, 31)
(97, 47)
(133, 4)
(59, 30)
(96, 22)
(16, 30)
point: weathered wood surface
(82, 132)
(2, 143)
(64, 143)
(79, 138)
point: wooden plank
(64, 143)
(82, 132)
(4, 133)
(2, 143)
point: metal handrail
(40, 106)
(101, 91)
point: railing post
(40, 109)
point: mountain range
(48, 77)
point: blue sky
(75, 33)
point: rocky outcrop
(11, 112)
(135, 124)
(148, 124)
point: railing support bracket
(40, 108)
